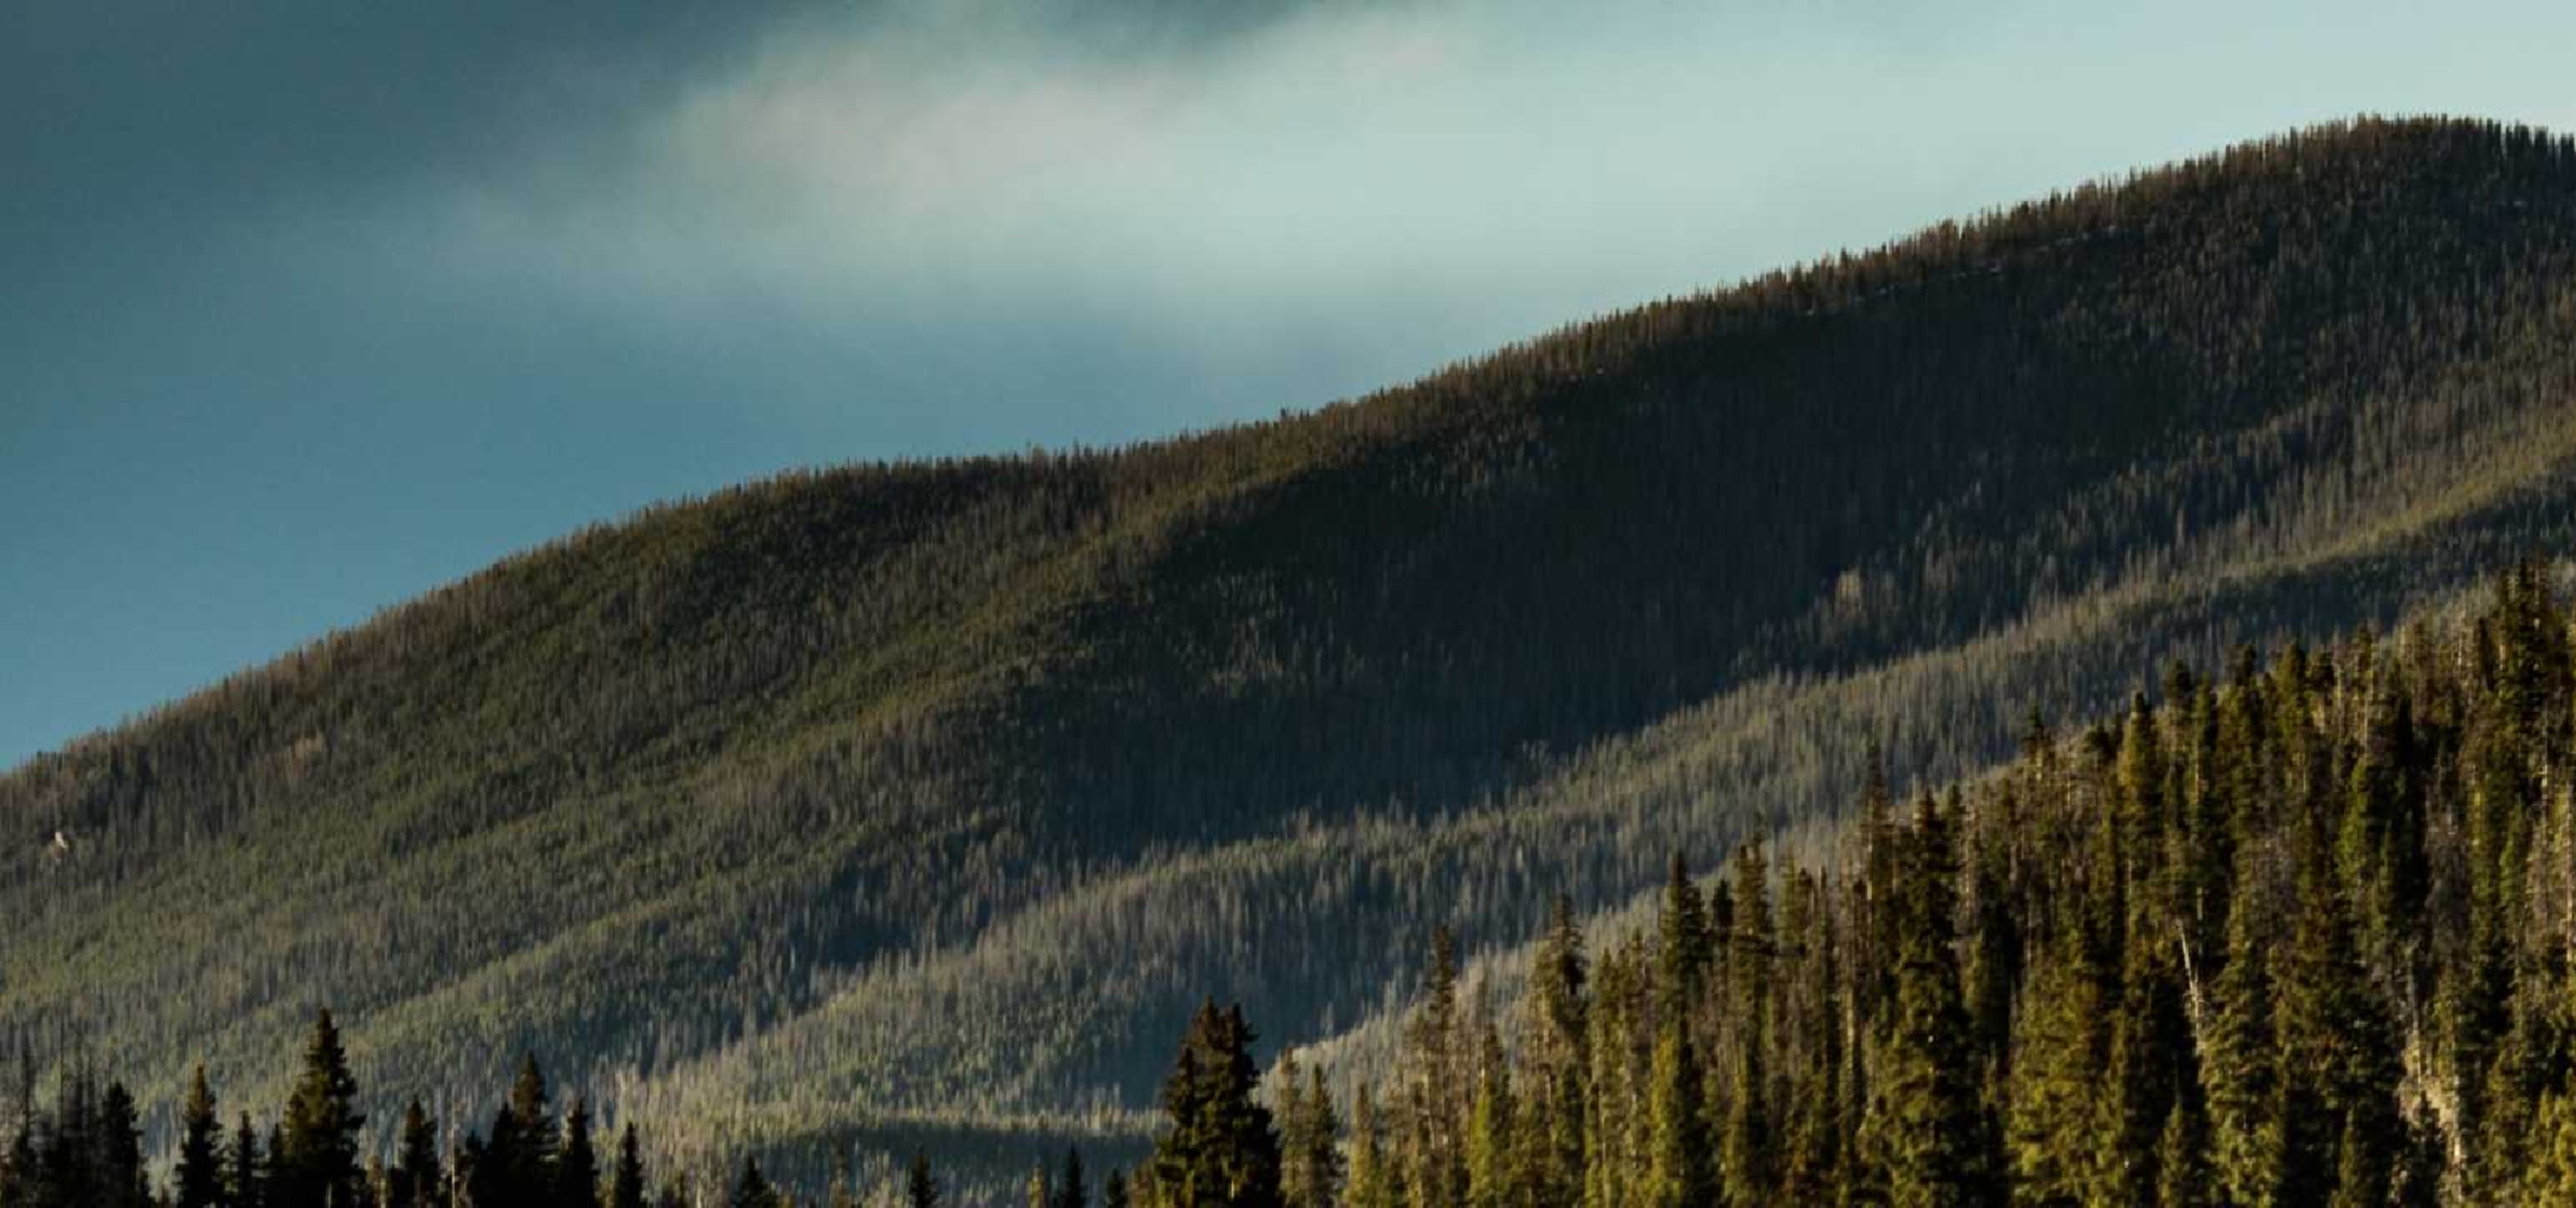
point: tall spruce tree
(2057, 1154)
(1072, 1187)
(1556, 1093)
(1490, 1119)
(534, 1141)
(245, 1168)
(626, 1185)
(1686, 947)
(1372, 1181)
(1927, 1125)
(121, 1180)
(2338, 1068)
(417, 1180)
(198, 1180)
(1310, 1150)
(577, 1169)
(316, 1162)
(1221, 1147)
(2239, 1072)
(1680, 1175)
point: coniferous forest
(895, 816)
(2292, 932)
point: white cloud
(1480, 169)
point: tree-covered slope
(2297, 934)
(946, 788)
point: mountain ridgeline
(915, 805)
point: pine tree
(2056, 1143)
(121, 1180)
(245, 1170)
(1557, 978)
(1529, 1168)
(1745, 1140)
(1679, 1176)
(417, 1180)
(1310, 1151)
(1686, 946)
(198, 1182)
(2338, 1070)
(1073, 1189)
(1620, 1133)
(1745, 1143)
(2239, 1073)
(1432, 1142)
(1927, 1127)
(67, 1150)
(273, 1147)
(626, 1186)
(2150, 1061)
(1810, 1168)
(1221, 1147)
(495, 1176)
(1372, 1183)
(1556, 1093)
(534, 1140)
(316, 1158)
(2182, 1167)
(1490, 1141)
(577, 1170)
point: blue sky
(307, 307)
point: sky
(307, 307)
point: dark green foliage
(2372, 970)
(120, 1181)
(315, 1163)
(1687, 947)
(1926, 1135)
(1220, 1148)
(1433, 1102)
(245, 1168)
(1681, 1173)
(1372, 1182)
(418, 1181)
(1309, 1140)
(198, 1181)
(577, 1169)
(528, 1144)
(1493, 1116)
(626, 1185)
(88, 1151)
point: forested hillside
(2294, 934)
(916, 804)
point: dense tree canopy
(2293, 935)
